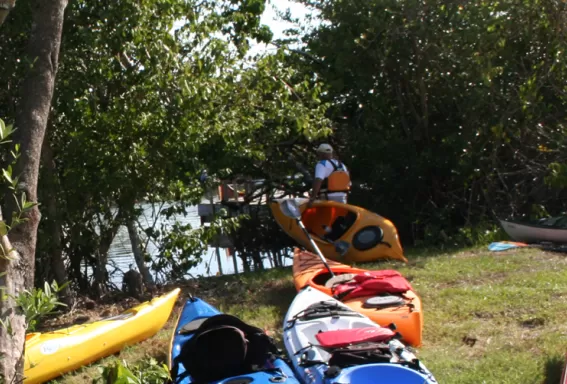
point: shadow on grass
(553, 370)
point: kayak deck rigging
(381, 347)
(321, 310)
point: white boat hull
(534, 234)
(303, 347)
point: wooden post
(234, 260)
(217, 251)
(216, 245)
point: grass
(489, 317)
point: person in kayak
(332, 179)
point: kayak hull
(381, 373)
(564, 372)
(308, 270)
(195, 309)
(527, 233)
(51, 354)
(311, 363)
(371, 237)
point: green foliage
(38, 303)
(182, 247)
(447, 114)
(258, 236)
(5, 132)
(147, 95)
(558, 175)
(148, 371)
(11, 181)
(468, 236)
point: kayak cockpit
(222, 346)
(377, 296)
(329, 223)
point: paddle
(290, 209)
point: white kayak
(327, 342)
(535, 232)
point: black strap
(175, 376)
(334, 166)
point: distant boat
(552, 230)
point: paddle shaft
(317, 250)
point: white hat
(325, 148)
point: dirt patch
(533, 323)
(483, 315)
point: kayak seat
(209, 362)
(339, 279)
(343, 337)
(340, 226)
(224, 346)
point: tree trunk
(139, 255)
(31, 123)
(11, 342)
(258, 265)
(100, 272)
(56, 236)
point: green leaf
(7, 173)
(5, 131)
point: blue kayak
(209, 346)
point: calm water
(121, 256)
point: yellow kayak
(51, 354)
(370, 236)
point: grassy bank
(489, 317)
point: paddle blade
(290, 208)
(504, 245)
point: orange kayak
(406, 314)
(371, 236)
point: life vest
(373, 283)
(338, 180)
